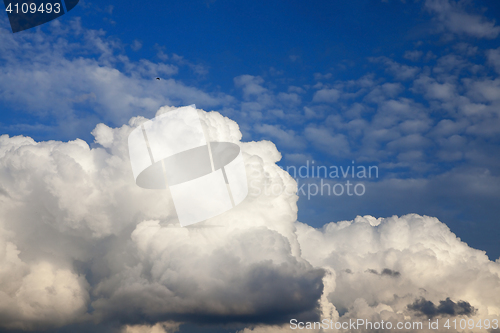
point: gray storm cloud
(80, 242)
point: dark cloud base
(385, 271)
(447, 307)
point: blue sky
(411, 87)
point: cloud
(494, 58)
(136, 45)
(413, 55)
(71, 214)
(286, 138)
(399, 71)
(260, 102)
(289, 99)
(445, 308)
(432, 89)
(321, 138)
(385, 271)
(380, 93)
(37, 294)
(197, 69)
(397, 269)
(326, 96)
(76, 234)
(455, 19)
(258, 98)
(297, 90)
(319, 76)
(90, 238)
(248, 275)
(485, 90)
(75, 77)
(251, 85)
(164, 327)
(412, 245)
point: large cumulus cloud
(72, 216)
(383, 265)
(399, 269)
(79, 241)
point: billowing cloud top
(80, 242)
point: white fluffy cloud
(70, 212)
(385, 268)
(37, 294)
(420, 257)
(80, 241)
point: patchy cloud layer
(454, 18)
(63, 74)
(79, 241)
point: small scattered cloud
(454, 18)
(494, 58)
(415, 55)
(297, 90)
(285, 138)
(326, 96)
(432, 89)
(319, 76)
(274, 72)
(399, 71)
(136, 45)
(324, 140)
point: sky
(408, 89)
